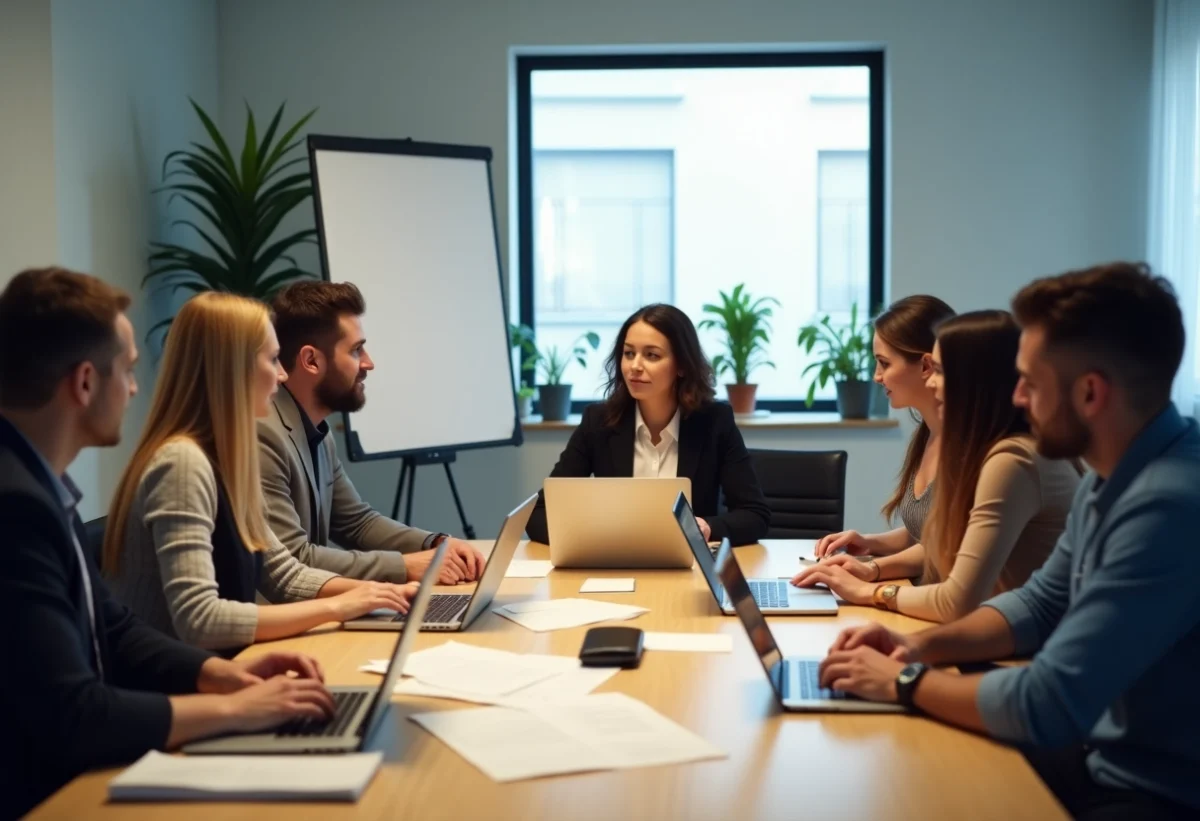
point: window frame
(589, 60)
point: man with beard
(1105, 711)
(310, 499)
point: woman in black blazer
(660, 419)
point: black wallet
(611, 647)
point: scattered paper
(160, 777)
(558, 614)
(481, 670)
(607, 586)
(689, 642)
(599, 732)
(528, 569)
(564, 686)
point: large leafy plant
(845, 353)
(242, 200)
(745, 322)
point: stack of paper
(528, 569)
(601, 732)
(557, 614)
(467, 673)
(160, 777)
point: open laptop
(615, 522)
(453, 612)
(359, 710)
(775, 596)
(795, 681)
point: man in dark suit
(86, 684)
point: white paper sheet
(689, 642)
(558, 614)
(606, 731)
(528, 569)
(482, 670)
(161, 777)
(598, 585)
(564, 686)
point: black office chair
(806, 491)
(95, 537)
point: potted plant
(520, 337)
(845, 357)
(555, 397)
(744, 321)
(242, 200)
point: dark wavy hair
(693, 389)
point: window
(671, 177)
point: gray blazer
(343, 517)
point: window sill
(774, 421)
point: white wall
(1018, 141)
(122, 76)
(28, 233)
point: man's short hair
(307, 313)
(52, 320)
(1119, 319)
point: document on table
(599, 732)
(558, 614)
(689, 642)
(572, 684)
(599, 585)
(160, 777)
(528, 569)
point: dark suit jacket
(59, 717)
(711, 454)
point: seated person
(660, 419)
(903, 346)
(1002, 506)
(1105, 711)
(311, 502)
(187, 546)
(88, 684)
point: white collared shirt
(652, 461)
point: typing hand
(863, 672)
(280, 699)
(850, 541)
(848, 587)
(453, 570)
(368, 596)
(705, 530)
(218, 675)
(850, 564)
(465, 555)
(899, 646)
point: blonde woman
(187, 545)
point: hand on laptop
(899, 646)
(864, 672)
(847, 586)
(272, 702)
(463, 563)
(850, 541)
(368, 596)
(218, 675)
(705, 530)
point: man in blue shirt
(1106, 710)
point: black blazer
(59, 717)
(711, 454)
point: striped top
(913, 511)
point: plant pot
(881, 408)
(854, 399)
(742, 397)
(555, 401)
(524, 406)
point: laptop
(774, 596)
(796, 681)
(615, 523)
(359, 710)
(454, 612)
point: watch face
(890, 591)
(908, 673)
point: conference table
(779, 765)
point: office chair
(806, 491)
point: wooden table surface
(822, 766)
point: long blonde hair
(205, 394)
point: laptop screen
(500, 558)
(695, 540)
(412, 628)
(751, 617)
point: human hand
(218, 675)
(705, 529)
(850, 541)
(464, 555)
(848, 587)
(452, 571)
(864, 672)
(860, 569)
(902, 647)
(277, 700)
(368, 596)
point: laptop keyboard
(807, 675)
(770, 592)
(346, 706)
(443, 608)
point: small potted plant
(847, 358)
(555, 396)
(520, 337)
(744, 321)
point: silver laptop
(359, 710)
(617, 523)
(796, 681)
(775, 596)
(453, 612)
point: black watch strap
(906, 683)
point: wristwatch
(906, 683)
(884, 596)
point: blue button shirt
(1114, 619)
